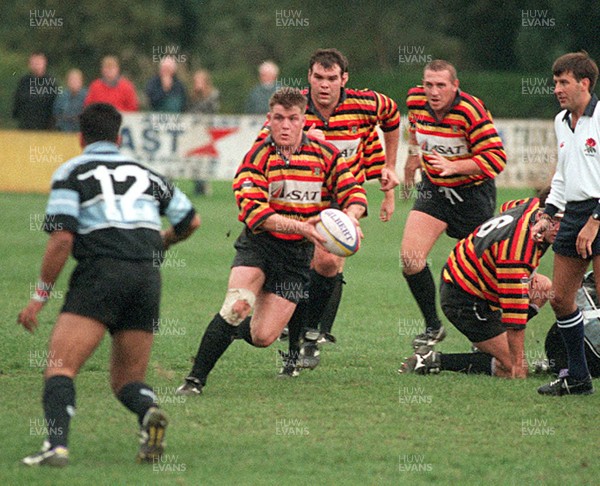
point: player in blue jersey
(105, 209)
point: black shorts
(121, 294)
(575, 217)
(470, 315)
(285, 263)
(461, 208)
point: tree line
(503, 48)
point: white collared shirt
(577, 176)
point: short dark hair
(580, 64)
(438, 65)
(328, 58)
(100, 122)
(288, 98)
(542, 194)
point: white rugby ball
(339, 231)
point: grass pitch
(353, 420)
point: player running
(454, 142)
(270, 270)
(348, 118)
(105, 208)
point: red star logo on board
(209, 149)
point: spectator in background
(69, 103)
(35, 96)
(258, 100)
(165, 91)
(112, 88)
(204, 97)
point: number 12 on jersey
(121, 207)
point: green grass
(353, 420)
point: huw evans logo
(413, 55)
(414, 463)
(289, 427)
(290, 18)
(44, 18)
(536, 18)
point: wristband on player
(42, 292)
(413, 149)
(596, 213)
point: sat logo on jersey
(449, 146)
(347, 147)
(295, 191)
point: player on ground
(489, 291)
(454, 142)
(576, 190)
(348, 118)
(105, 208)
(283, 183)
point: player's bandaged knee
(233, 296)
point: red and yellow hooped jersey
(467, 131)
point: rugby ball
(339, 232)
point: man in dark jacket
(35, 96)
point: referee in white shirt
(576, 191)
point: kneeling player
(489, 291)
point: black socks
(320, 290)
(309, 311)
(473, 363)
(330, 311)
(215, 341)
(572, 332)
(59, 407)
(137, 397)
(423, 289)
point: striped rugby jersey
(497, 261)
(113, 205)
(300, 187)
(352, 128)
(467, 131)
